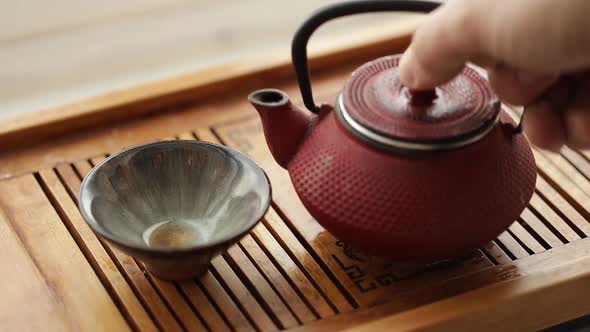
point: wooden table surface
(288, 273)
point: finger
(438, 51)
(543, 125)
(518, 87)
(544, 122)
(562, 92)
(539, 36)
(577, 119)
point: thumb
(441, 46)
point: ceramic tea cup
(175, 205)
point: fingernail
(407, 70)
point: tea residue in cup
(175, 233)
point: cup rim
(167, 251)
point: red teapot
(400, 174)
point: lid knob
(422, 97)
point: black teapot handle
(299, 43)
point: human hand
(537, 54)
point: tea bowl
(175, 205)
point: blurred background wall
(58, 51)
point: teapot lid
(378, 108)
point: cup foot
(178, 273)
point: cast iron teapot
(400, 174)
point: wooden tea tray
(288, 273)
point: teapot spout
(284, 124)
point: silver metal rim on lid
(383, 141)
